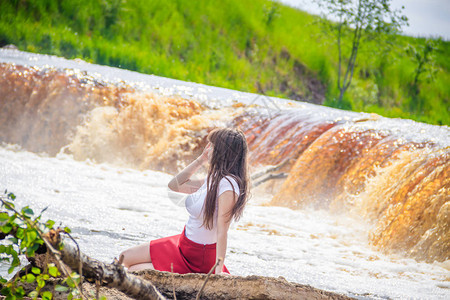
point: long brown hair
(229, 158)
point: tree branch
(112, 275)
(340, 53)
(270, 177)
(269, 169)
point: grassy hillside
(255, 46)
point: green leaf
(30, 278)
(47, 295)
(10, 297)
(16, 261)
(12, 196)
(11, 269)
(35, 270)
(5, 291)
(20, 292)
(40, 282)
(9, 249)
(35, 246)
(53, 271)
(61, 246)
(33, 294)
(12, 218)
(67, 229)
(4, 216)
(69, 282)
(15, 256)
(30, 252)
(31, 236)
(28, 212)
(20, 234)
(76, 277)
(6, 228)
(9, 204)
(60, 288)
(49, 224)
(14, 240)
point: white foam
(110, 209)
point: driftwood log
(151, 284)
(266, 174)
(218, 287)
(232, 287)
(269, 177)
(269, 170)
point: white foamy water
(110, 208)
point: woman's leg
(137, 258)
(143, 266)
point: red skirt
(185, 255)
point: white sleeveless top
(194, 205)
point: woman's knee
(123, 258)
(135, 255)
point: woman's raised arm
(182, 183)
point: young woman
(212, 203)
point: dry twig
(207, 277)
(173, 284)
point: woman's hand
(182, 182)
(206, 154)
(222, 273)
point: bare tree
(353, 21)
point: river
(362, 211)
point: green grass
(253, 46)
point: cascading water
(398, 182)
(391, 175)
